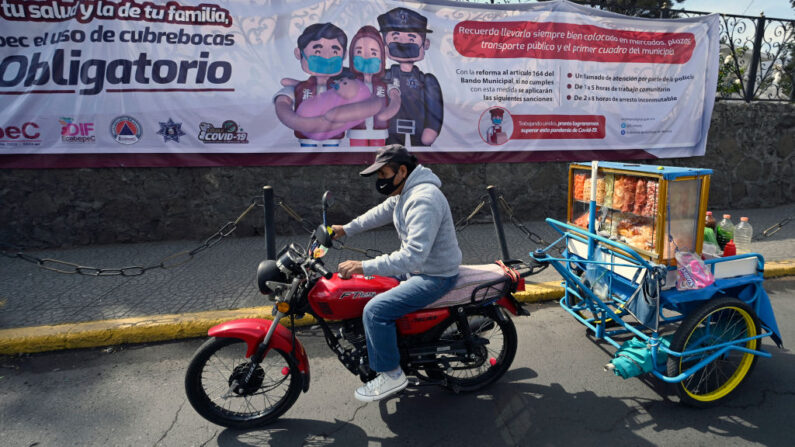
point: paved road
(555, 394)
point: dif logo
(25, 135)
(76, 132)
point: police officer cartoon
(421, 110)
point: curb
(191, 325)
(776, 269)
(127, 330)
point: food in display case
(600, 191)
(609, 183)
(604, 189)
(639, 200)
(629, 207)
(586, 189)
(650, 209)
(582, 220)
(579, 184)
(636, 231)
(626, 207)
(624, 193)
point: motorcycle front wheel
(216, 386)
(495, 329)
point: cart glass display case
(640, 205)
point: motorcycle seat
(470, 278)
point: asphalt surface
(555, 394)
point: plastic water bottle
(725, 231)
(742, 236)
(709, 222)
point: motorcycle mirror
(327, 202)
(323, 237)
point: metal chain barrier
(535, 238)
(170, 261)
(338, 245)
(180, 258)
(463, 223)
(370, 253)
(774, 229)
(292, 213)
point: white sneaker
(380, 387)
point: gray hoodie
(422, 218)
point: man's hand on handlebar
(338, 231)
(348, 268)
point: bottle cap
(709, 213)
(744, 219)
(727, 216)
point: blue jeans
(381, 312)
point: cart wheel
(718, 321)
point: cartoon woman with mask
(367, 61)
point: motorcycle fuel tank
(342, 299)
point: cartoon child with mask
(367, 61)
(419, 120)
(321, 50)
(347, 90)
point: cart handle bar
(564, 228)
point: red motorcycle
(252, 370)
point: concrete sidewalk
(42, 310)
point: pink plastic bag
(693, 273)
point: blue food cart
(625, 225)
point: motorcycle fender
(253, 330)
(511, 305)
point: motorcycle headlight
(289, 259)
(269, 271)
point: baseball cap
(390, 153)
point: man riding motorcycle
(427, 261)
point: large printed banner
(159, 83)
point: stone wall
(750, 148)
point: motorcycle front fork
(256, 358)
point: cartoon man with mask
(321, 50)
(419, 120)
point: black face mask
(404, 50)
(387, 186)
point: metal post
(270, 232)
(792, 85)
(755, 57)
(495, 214)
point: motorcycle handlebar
(320, 268)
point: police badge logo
(170, 131)
(126, 130)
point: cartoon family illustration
(372, 105)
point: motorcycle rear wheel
(273, 389)
(490, 361)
